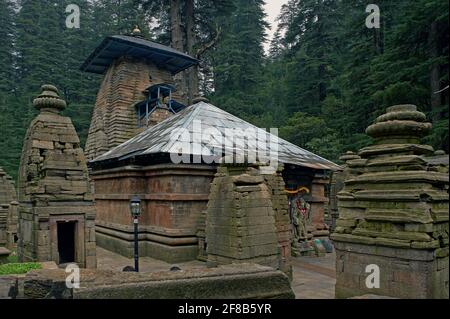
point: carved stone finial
(400, 124)
(199, 99)
(136, 32)
(49, 100)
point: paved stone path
(313, 277)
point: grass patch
(18, 269)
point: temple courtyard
(313, 277)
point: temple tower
(393, 214)
(56, 213)
(137, 90)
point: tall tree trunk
(178, 44)
(193, 73)
(436, 101)
(176, 25)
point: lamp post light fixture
(135, 208)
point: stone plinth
(247, 281)
(241, 225)
(56, 214)
(173, 199)
(393, 213)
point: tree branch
(210, 44)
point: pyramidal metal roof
(114, 47)
(166, 136)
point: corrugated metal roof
(159, 139)
(116, 46)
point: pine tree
(7, 87)
(6, 49)
(239, 58)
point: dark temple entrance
(66, 242)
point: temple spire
(137, 32)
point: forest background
(324, 79)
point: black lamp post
(135, 207)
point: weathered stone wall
(241, 224)
(337, 184)
(393, 212)
(12, 222)
(247, 281)
(276, 186)
(114, 119)
(173, 198)
(318, 201)
(7, 196)
(54, 186)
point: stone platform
(313, 278)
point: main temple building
(131, 147)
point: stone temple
(132, 152)
(56, 214)
(215, 188)
(394, 213)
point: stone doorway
(66, 242)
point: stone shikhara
(393, 212)
(54, 189)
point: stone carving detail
(56, 213)
(393, 212)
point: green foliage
(44, 50)
(18, 269)
(325, 79)
(327, 146)
(332, 76)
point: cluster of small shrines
(388, 205)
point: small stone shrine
(243, 224)
(393, 213)
(56, 213)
